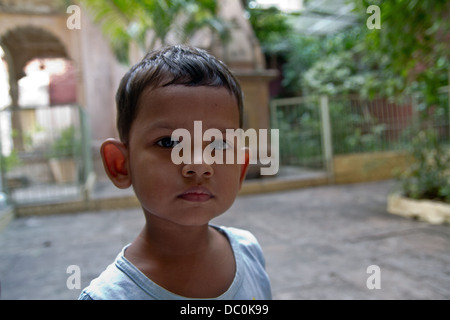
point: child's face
(185, 194)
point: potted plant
(425, 184)
(62, 158)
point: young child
(178, 254)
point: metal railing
(45, 154)
(313, 129)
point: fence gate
(45, 154)
(305, 139)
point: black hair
(173, 65)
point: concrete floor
(318, 243)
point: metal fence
(299, 122)
(45, 154)
(313, 129)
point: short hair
(173, 65)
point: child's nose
(201, 170)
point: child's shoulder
(243, 241)
(120, 280)
(250, 265)
(242, 236)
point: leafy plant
(271, 27)
(428, 177)
(414, 45)
(11, 161)
(67, 145)
(145, 22)
(351, 72)
(414, 42)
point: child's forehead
(183, 102)
(179, 95)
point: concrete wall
(370, 166)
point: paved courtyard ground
(318, 243)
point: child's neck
(190, 261)
(176, 241)
(162, 238)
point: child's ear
(244, 167)
(115, 160)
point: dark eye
(167, 142)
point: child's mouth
(199, 194)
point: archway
(42, 124)
(20, 46)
